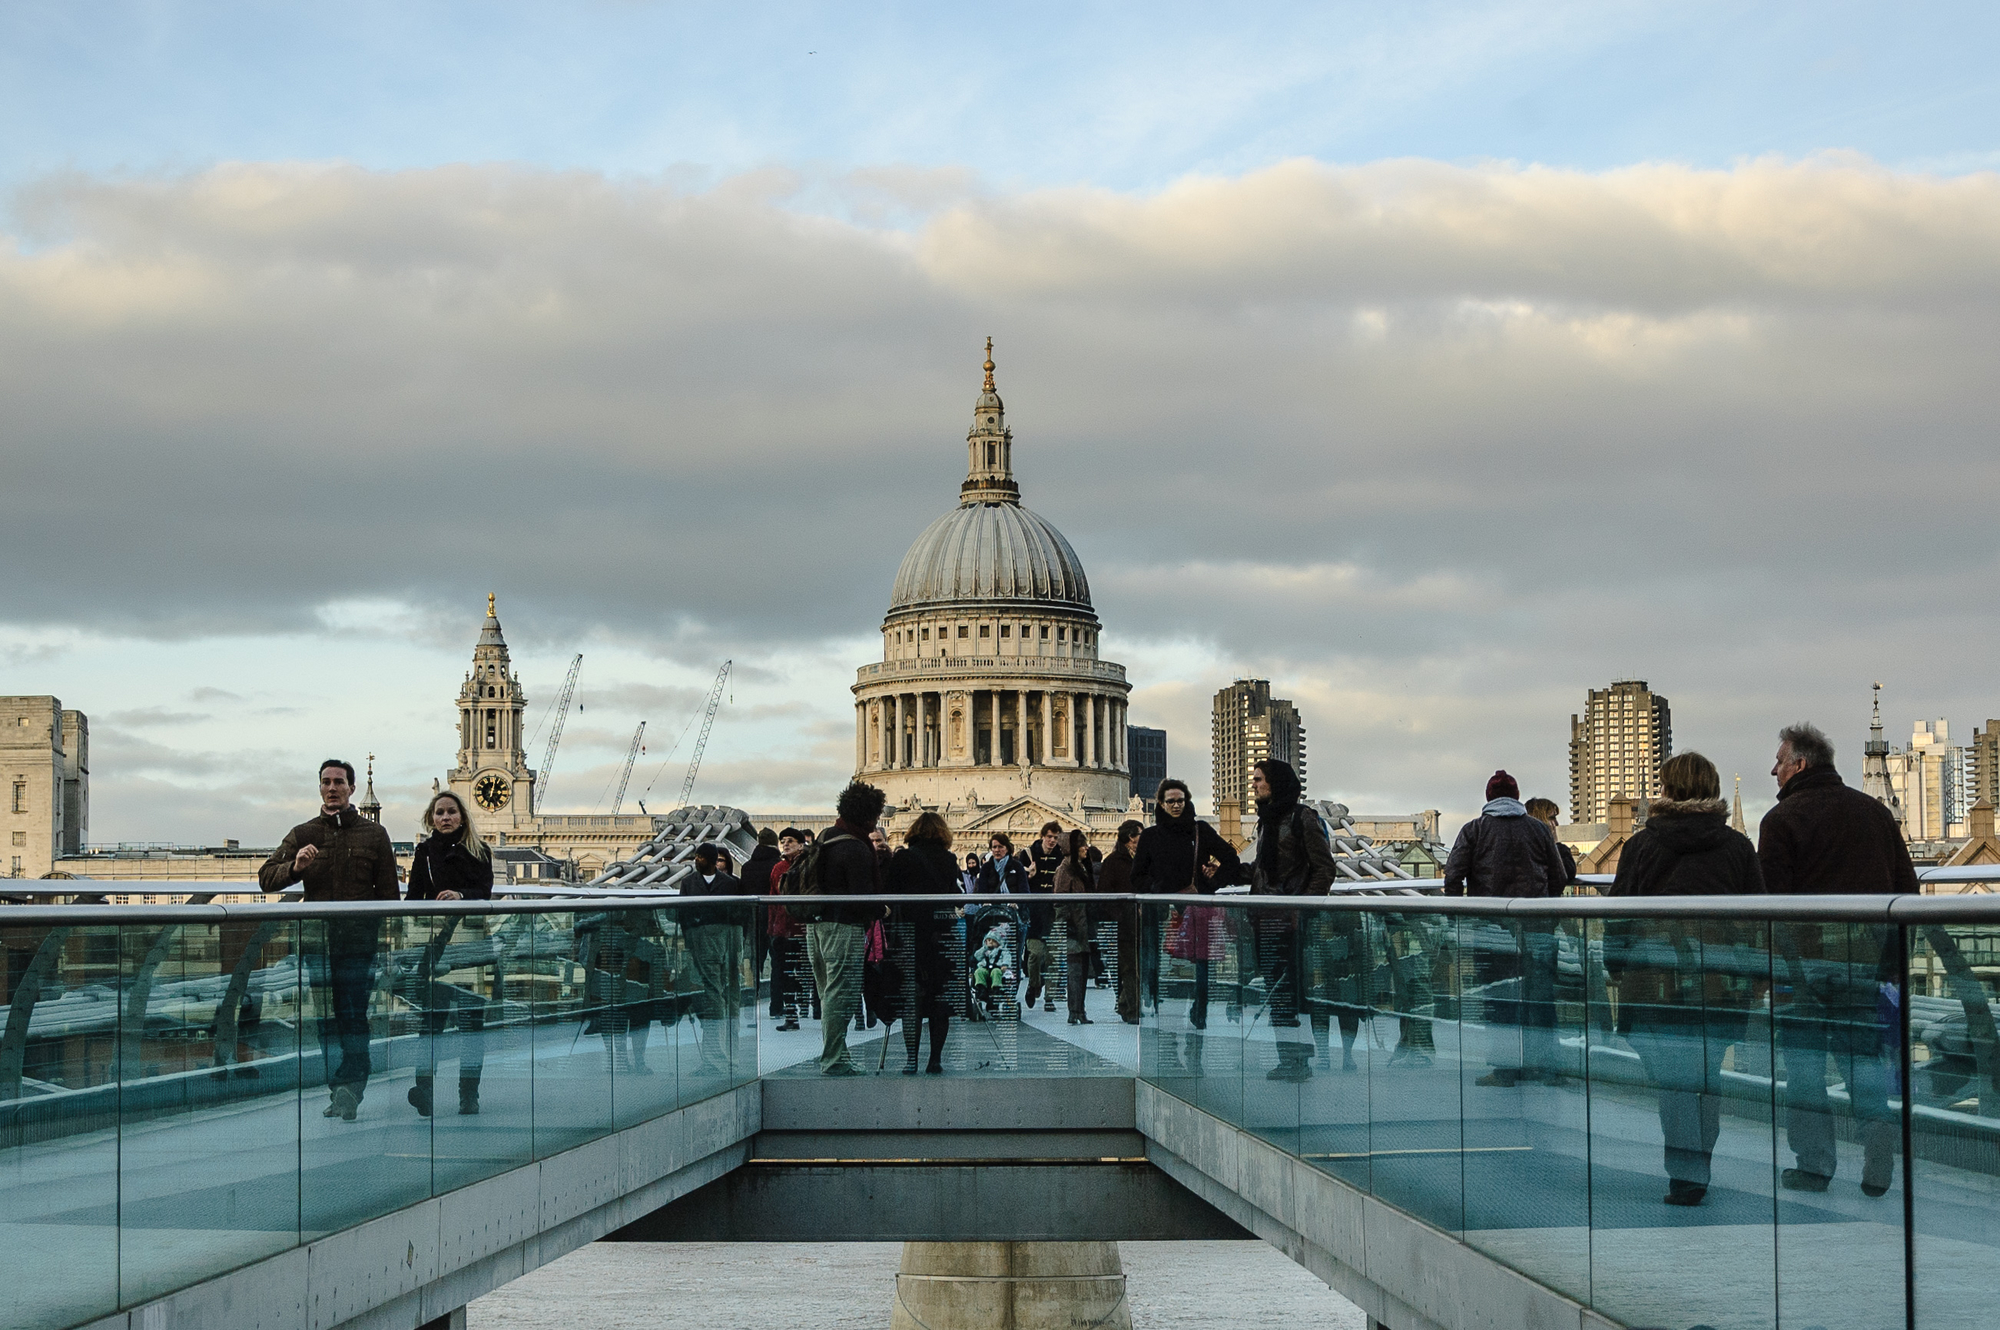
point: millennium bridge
(1457, 1113)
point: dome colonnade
(990, 662)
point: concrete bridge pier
(1010, 1286)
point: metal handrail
(1914, 910)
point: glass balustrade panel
(468, 1018)
(583, 1025)
(1339, 974)
(1681, 1184)
(1836, 992)
(1954, 1067)
(1524, 1093)
(208, 1073)
(59, 1121)
(1417, 1054)
(363, 1150)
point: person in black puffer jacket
(924, 866)
(453, 863)
(1679, 1000)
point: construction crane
(548, 767)
(631, 755)
(707, 724)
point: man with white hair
(1825, 837)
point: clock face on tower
(490, 792)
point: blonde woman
(453, 863)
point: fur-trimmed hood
(1687, 808)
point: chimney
(1621, 816)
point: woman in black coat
(1683, 996)
(1182, 853)
(452, 864)
(925, 866)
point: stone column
(1021, 727)
(860, 736)
(993, 719)
(1090, 726)
(1048, 728)
(896, 753)
(923, 753)
(1023, 1285)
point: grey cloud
(1442, 446)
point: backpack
(805, 876)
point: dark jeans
(1684, 1059)
(1079, 979)
(345, 979)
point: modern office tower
(1146, 750)
(1931, 780)
(1616, 747)
(1250, 725)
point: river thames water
(850, 1285)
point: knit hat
(1502, 786)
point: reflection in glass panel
(59, 1122)
(1415, 1135)
(363, 1152)
(709, 996)
(1340, 974)
(1955, 1123)
(1527, 1133)
(467, 1043)
(208, 1068)
(1836, 1003)
(582, 1023)
(1192, 1039)
(1680, 1124)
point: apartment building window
(20, 796)
(17, 867)
(1005, 629)
(986, 630)
(20, 838)
(963, 631)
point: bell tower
(492, 778)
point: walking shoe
(1684, 1193)
(1798, 1179)
(1050, 1005)
(842, 1069)
(345, 1103)
(1294, 1072)
(789, 1024)
(468, 1099)
(420, 1096)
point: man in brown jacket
(340, 856)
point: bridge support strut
(1018, 1285)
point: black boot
(468, 1095)
(420, 1096)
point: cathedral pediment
(1025, 814)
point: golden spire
(989, 364)
(489, 604)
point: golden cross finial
(989, 364)
(489, 604)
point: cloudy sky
(1437, 366)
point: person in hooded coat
(1675, 986)
(1293, 858)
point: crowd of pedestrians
(1685, 990)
